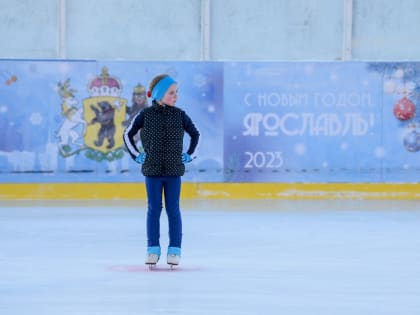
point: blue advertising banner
(320, 122)
(54, 114)
(259, 121)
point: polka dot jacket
(162, 131)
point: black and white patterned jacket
(162, 130)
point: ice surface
(239, 257)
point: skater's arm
(130, 132)
(190, 128)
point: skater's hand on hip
(141, 158)
(186, 158)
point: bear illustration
(105, 117)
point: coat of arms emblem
(96, 126)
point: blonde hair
(156, 80)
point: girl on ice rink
(162, 128)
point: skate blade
(172, 266)
(151, 266)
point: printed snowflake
(3, 109)
(172, 72)
(199, 80)
(399, 73)
(300, 149)
(36, 119)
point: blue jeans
(171, 188)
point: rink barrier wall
(136, 191)
(259, 122)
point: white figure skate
(151, 260)
(173, 260)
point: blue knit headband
(161, 87)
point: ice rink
(239, 257)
